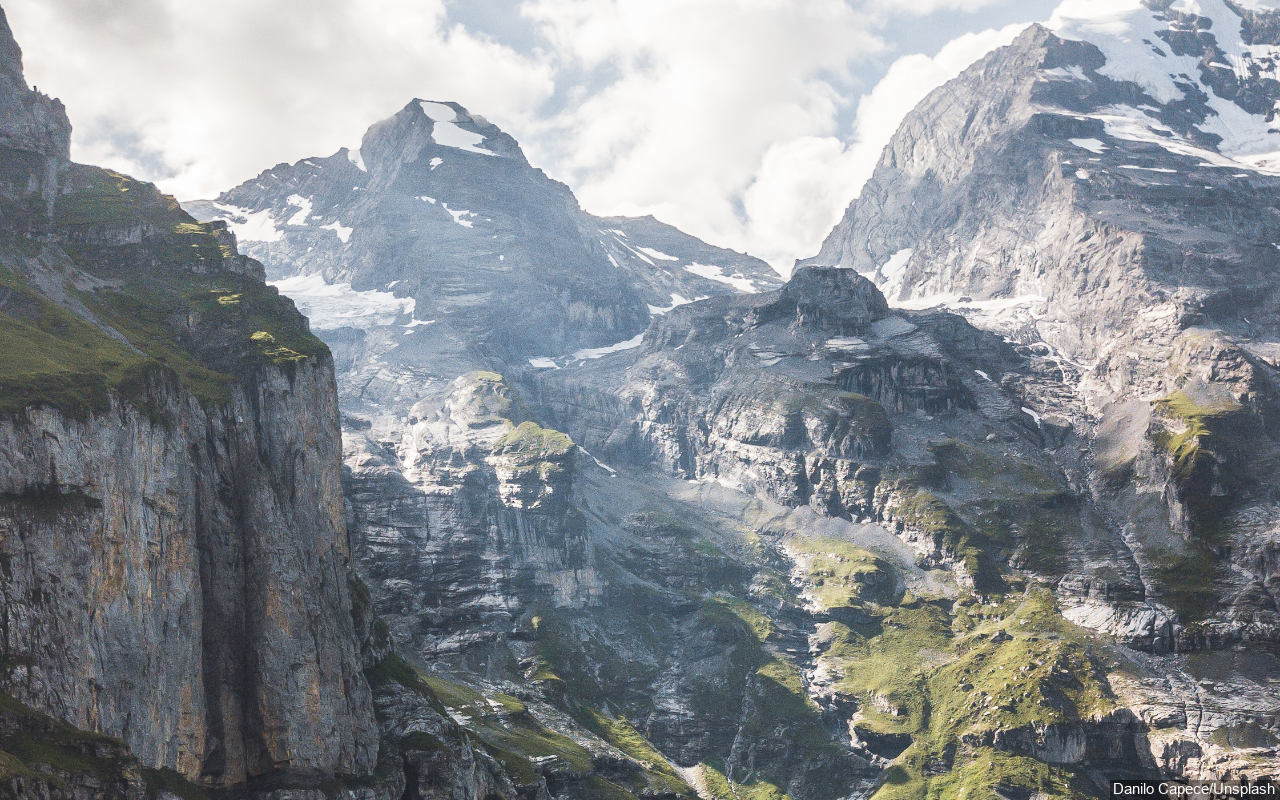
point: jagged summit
(436, 130)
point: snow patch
(303, 205)
(446, 131)
(461, 216)
(658, 254)
(330, 306)
(714, 273)
(1128, 34)
(600, 352)
(891, 272)
(435, 162)
(250, 226)
(542, 363)
(1092, 145)
(355, 157)
(1071, 73)
(676, 300)
(344, 233)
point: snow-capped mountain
(438, 227)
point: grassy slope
(166, 295)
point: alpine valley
(394, 474)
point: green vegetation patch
(660, 776)
(104, 198)
(41, 745)
(152, 313)
(721, 788)
(1197, 422)
(501, 723)
(842, 575)
(950, 676)
(530, 442)
(167, 780)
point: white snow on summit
(447, 132)
(1127, 33)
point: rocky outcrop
(35, 137)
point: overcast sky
(749, 123)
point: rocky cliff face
(174, 567)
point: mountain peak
(434, 129)
(29, 120)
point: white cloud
(700, 90)
(203, 96)
(722, 117)
(804, 184)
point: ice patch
(461, 216)
(330, 306)
(303, 205)
(344, 233)
(676, 300)
(445, 130)
(600, 352)
(250, 226)
(658, 254)
(1092, 145)
(714, 273)
(542, 363)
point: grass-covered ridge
(1193, 423)
(144, 291)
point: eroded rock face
(188, 604)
